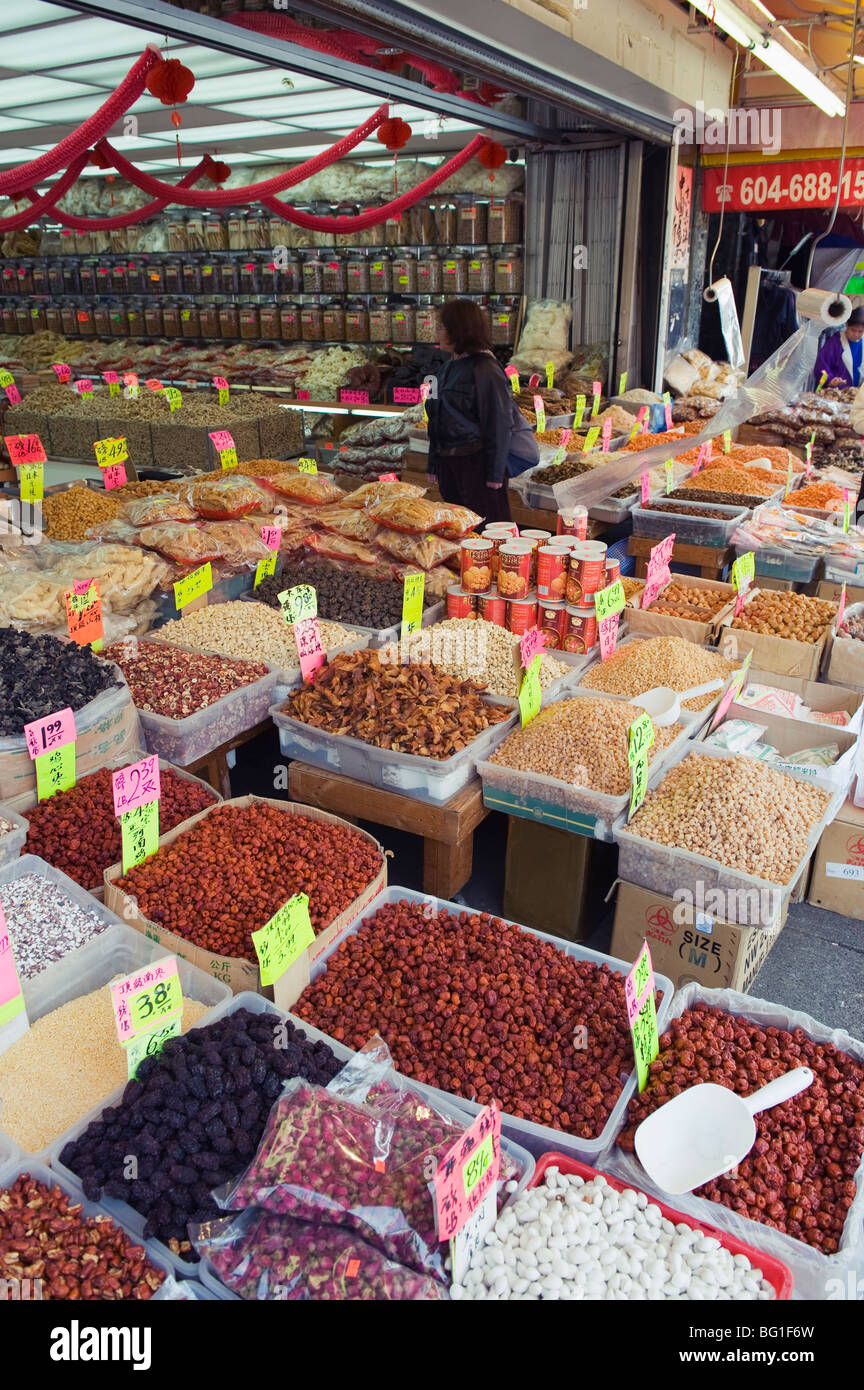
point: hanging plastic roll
(720, 293)
(830, 309)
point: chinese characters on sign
(12, 1010)
(530, 693)
(84, 614)
(736, 682)
(136, 785)
(743, 571)
(657, 574)
(193, 585)
(642, 1013)
(281, 940)
(640, 736)
(530, 644)
(265, 568)
(412, 603)
(25, 448)
(148, 1006)
(306, 465)
(139, 834)
(300, 608)
(467, 1172)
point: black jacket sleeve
(494, 415)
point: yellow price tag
(531, 694)
(265, 568)
(307, 465)
(173, 397)
(591, 438)
(281, 940)
(110, 451)
(669, 465)
(412, 603)
(550, 375)
(640, 736)
(727, 441)
(579, 412)
(744, 569)
(150, 1043)
(622, 383)
(193, 585)
(55, 771)
(299, 603)
(610, 600)
(31, 481)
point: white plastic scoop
(707, 1129)
(664, 704)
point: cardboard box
(819, 695)
(651, 624)
(688, 943)
(780, 654)
(551, 875)
(236, 971)
(846, 657)
(838, 866)
(791, 735)
(831, 590)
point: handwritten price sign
(199, 582)
(25, 448)
(642, 1013)
(136, 785)
(55, 730)
(285, 937)
(531, 645)
(110, 451)
(467, 1172)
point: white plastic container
(425, 779)
(117, 951)
(538, 1139)
(12, 843)
(32, 864)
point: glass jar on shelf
(380, 273)
(55, 277)
(333, 322)
(136, 319)
(119, 275)
(357, 273)
(380, 323)
(505, 219)
(503, 325)
(86, 275)
(38, 320)
(250, 321)
(334, 279)
(356, 321)
(136, 275)
(268, 278)
(215, 232)
(53, 319)
(190, 321)
(403, 324)
(290, 271)
(480, 273)
(404, 271)
(229, 280)
(472, 220)
(229, 321)
(23, 321)
(454, 268)
(509, 272)
(39, 277)
(426, 322)
(86, 323)
(429, 273)
(117, 318)
(208, 317)
(155, 283)
(236, 233)
(176, 232)
(345, 239)
(249, 281)
(393, 233)
(103, 279)
(196, 239)
(313, 272)
(8, 280)
(102, 319)
(23, 278)
(193, 278)
(71, 278)
(172, 277)
(312, 323)
(268, 318)
(10, 321)
(209, 278)
(171, 319)
(289, 321)
(118, 240)
(445, 221)
(257, 231)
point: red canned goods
(460, 604)
(542, 536)
(613, 570)
(476, 562)
(581, 632)
(497, 538)
(586, 570)
(493, 608)
(552, 622)
(521, 614)
(514, 569)
(552, 561)
(573, 522)
(502, 528)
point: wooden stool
(447, 830)
(213, 767)
(710, 560)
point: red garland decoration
(492, 155)
(171, 82)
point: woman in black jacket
(471, 416)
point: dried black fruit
(40, 675)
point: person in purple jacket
(839, 357)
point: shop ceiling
(59, 62)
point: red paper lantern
(394, 133)
(170, 81)
(492, 155)
(216, 171)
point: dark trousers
(463, 480)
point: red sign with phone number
(806, 183)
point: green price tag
(193, 585)
(265, 567)
(646, 1040)
(285, 937)
(31, 481)
(638, 784)
(669, 465)
(151, 1043)
(640, 736)
(727, 441)
(223, 395)
(550, 375)
(298, 603)
(610, 600)
(591, 438)
(113, 388)
(173, 397)
(139, 834)
(788, 474)
(559, 455)
(579, 412)
(228, 458)
(847, 510)
(55, 771)
(307, 465)
(477, 1164)
(530, 694)
(151, 1006)
(6, 378)
(743, 570)
(412, 603)
(622, 383)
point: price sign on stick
(640, 425)
(467, 1172)
(596, 393)
(306, 465)
(139, 833)
(727, 441)
(281, 940)
(645, 487)
(540, 412)
(550, 375)
(223, 445)
(265, 568)
(847, 509)
(31, 482)
(514, 379)
(622, 383)
(271, 536)
(530, 693)
(657, 574)
(579, 412)
(591, 438)
(173, 397)
(531, 645)
(732, 691)
(13, 1014)
(193, 585)
(148, 1009)
(669, 465)
(84, 614)
(109, 451)
(51, 745)
(25, 448)
(642, 1013)
(607, 433)
(608, 603)
(743, 571)
(412, 603)
(113, 382)
(788, 474)
(63, 370)
(640, 737)
(7, 381)
(667, 409)
(300, 608)
(136, 785)
(841, 607)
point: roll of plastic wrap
(831, 309)
(720, 293)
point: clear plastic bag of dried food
(413, 514)
(370, 493)
(263, 1256)
(149, 511)
(333, 547)
(360, 1154)
(312, 488)
(347, 521)
(224, 499)
(423, 551)
(180, 542)
(239, 543)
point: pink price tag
(534, 381)
(722, 708)
(406, 395)
(220, 383)
(607, 630)
(63, 370)
(566, 436)
(645, 483)
(271, 536)
(658, 560)
(130, 379)
(109, 377)
(532, 642)
(667, 413)
(83, 385)
(842, 606)
(25, 448)
(467, 1172)
(639, 983)
(642, 418)
(114, 475)
(10, 985)
(310, 649)
(302, 395)
(81, 586)
(511, 371)
(596, 388)
(55, 730)
(221, 440)
(607, 433)
(354, 397)
(13, 395)
(156, 973)
(136, 785)
(739, 602)
(388, 478)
